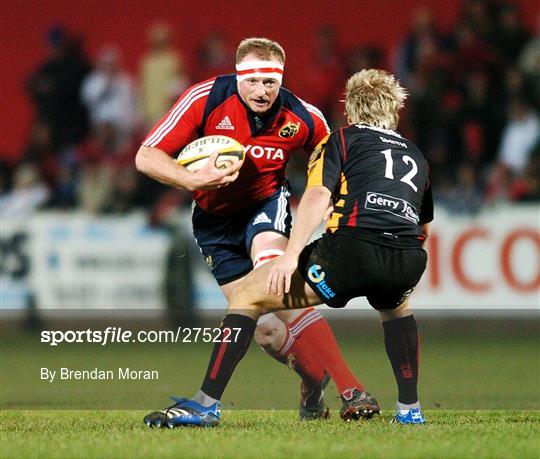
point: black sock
(401, 342)
(236, 335)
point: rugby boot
(312, 400)
(184, 412)
(358, 404)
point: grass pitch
(270, 434)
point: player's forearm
(161, 167)
(309, 216)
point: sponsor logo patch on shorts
(396, 206)
(316, 275)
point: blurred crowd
(474, 100)
(473, 110)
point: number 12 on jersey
(389, 169)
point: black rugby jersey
(379, 181)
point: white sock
(404, 408)
(205, 400)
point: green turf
(269, 434)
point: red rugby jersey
(214, 107)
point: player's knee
(270, 333)
(265, 335)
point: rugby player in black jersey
(379, 185)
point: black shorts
(350, 264)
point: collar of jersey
(384, 131)
(274, 110)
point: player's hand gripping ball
(195, 155)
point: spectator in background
(111, 96)
(529, 64)
(463, 195)
(515, 86)
(57, 167)
(95, 168)
(359, 58)
(214, 56)
(54, 88)
(471, 52)
(162, 75)
(104, 160)
(519, 138)
(511, 35)
(41, 152)
(527, 187)
(479, 15)
(124, 195)
(324, 77)
(65, 193)
(480, 123)
(423, 65)
(29, 193)
(365, 57)
(5, 178)
(421, 43)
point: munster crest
(289, 130)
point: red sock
(296, 356)
(313, 337)
(300, 359)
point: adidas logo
(225, 123)
(261, 218)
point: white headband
(259, 69)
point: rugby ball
(195, 155)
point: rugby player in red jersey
(241, 217)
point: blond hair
(374, 97)
(263, 47)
